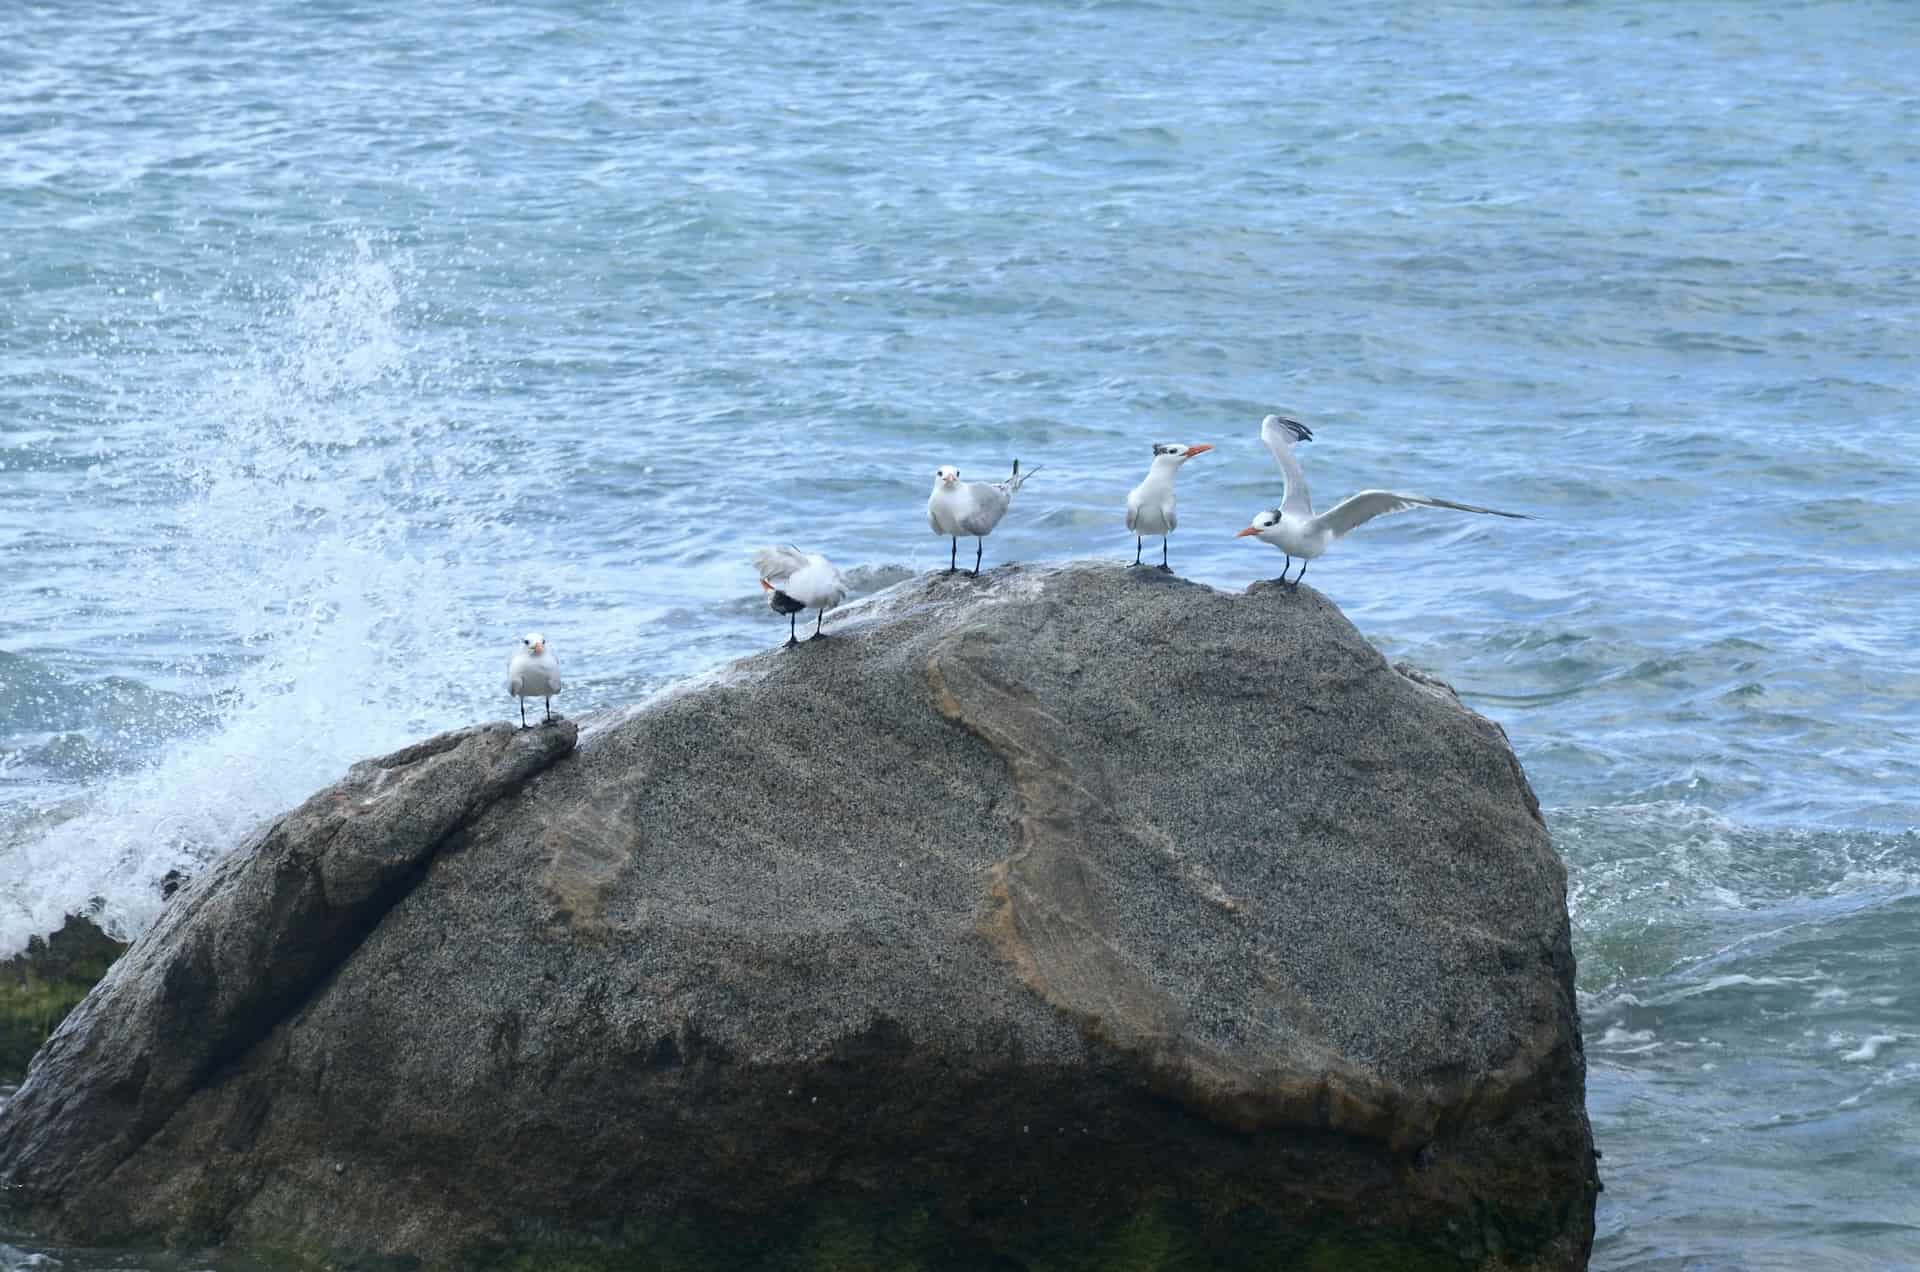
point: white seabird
(797, 580)
(533, 672)
(1297, 531)
(972, 507)
(1150, 507)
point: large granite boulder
(1073, 916)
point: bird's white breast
(1150, 508)
(1296, 537)
(533, 675)
(946, 508)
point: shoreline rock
(1073, 910)
(42, 983)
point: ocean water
(342, 343)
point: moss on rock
(40, 986)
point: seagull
(797, 580)
(1150, 504)
(1295, 530)
(975, 507)
(532, 672)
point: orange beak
(767, 585)
(1249, 530)
(541, 648)
(1201, 449)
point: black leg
(979, 546)
(1301, 575)
(523, 713)
(549, 710)
(821, 617)
(1284, 569)
(953, 557)
(1136, 549)
(1163, 555)
(791, 620)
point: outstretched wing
(1357, 510)
(1279, 434)
(776, 563)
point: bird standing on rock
(1150, 504)
(973, 507)
(1295, 530)
(532, 672)
(796, 580)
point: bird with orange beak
(1150, 507)
(1293, 527)
(794, 580)
(971, 508)
(533, 672)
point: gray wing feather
(1296, 500)
(1357, 510)
(986, 505)
(776, 563)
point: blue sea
(343, 343)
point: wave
(309, 487)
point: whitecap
(1870, 1049)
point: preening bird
(970, 507)
(1150, 504)
(796, 580)
(1294, 528)
(533, 672)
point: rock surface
(1021, 919)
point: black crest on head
(1165, 448)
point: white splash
(306, 473)
(1870, 1049)
(1630, 1040)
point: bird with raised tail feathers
(970, 507)
(796, 580)
(1150, 507)
(533, 672)
(1294, 528)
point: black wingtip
(1300, 431)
